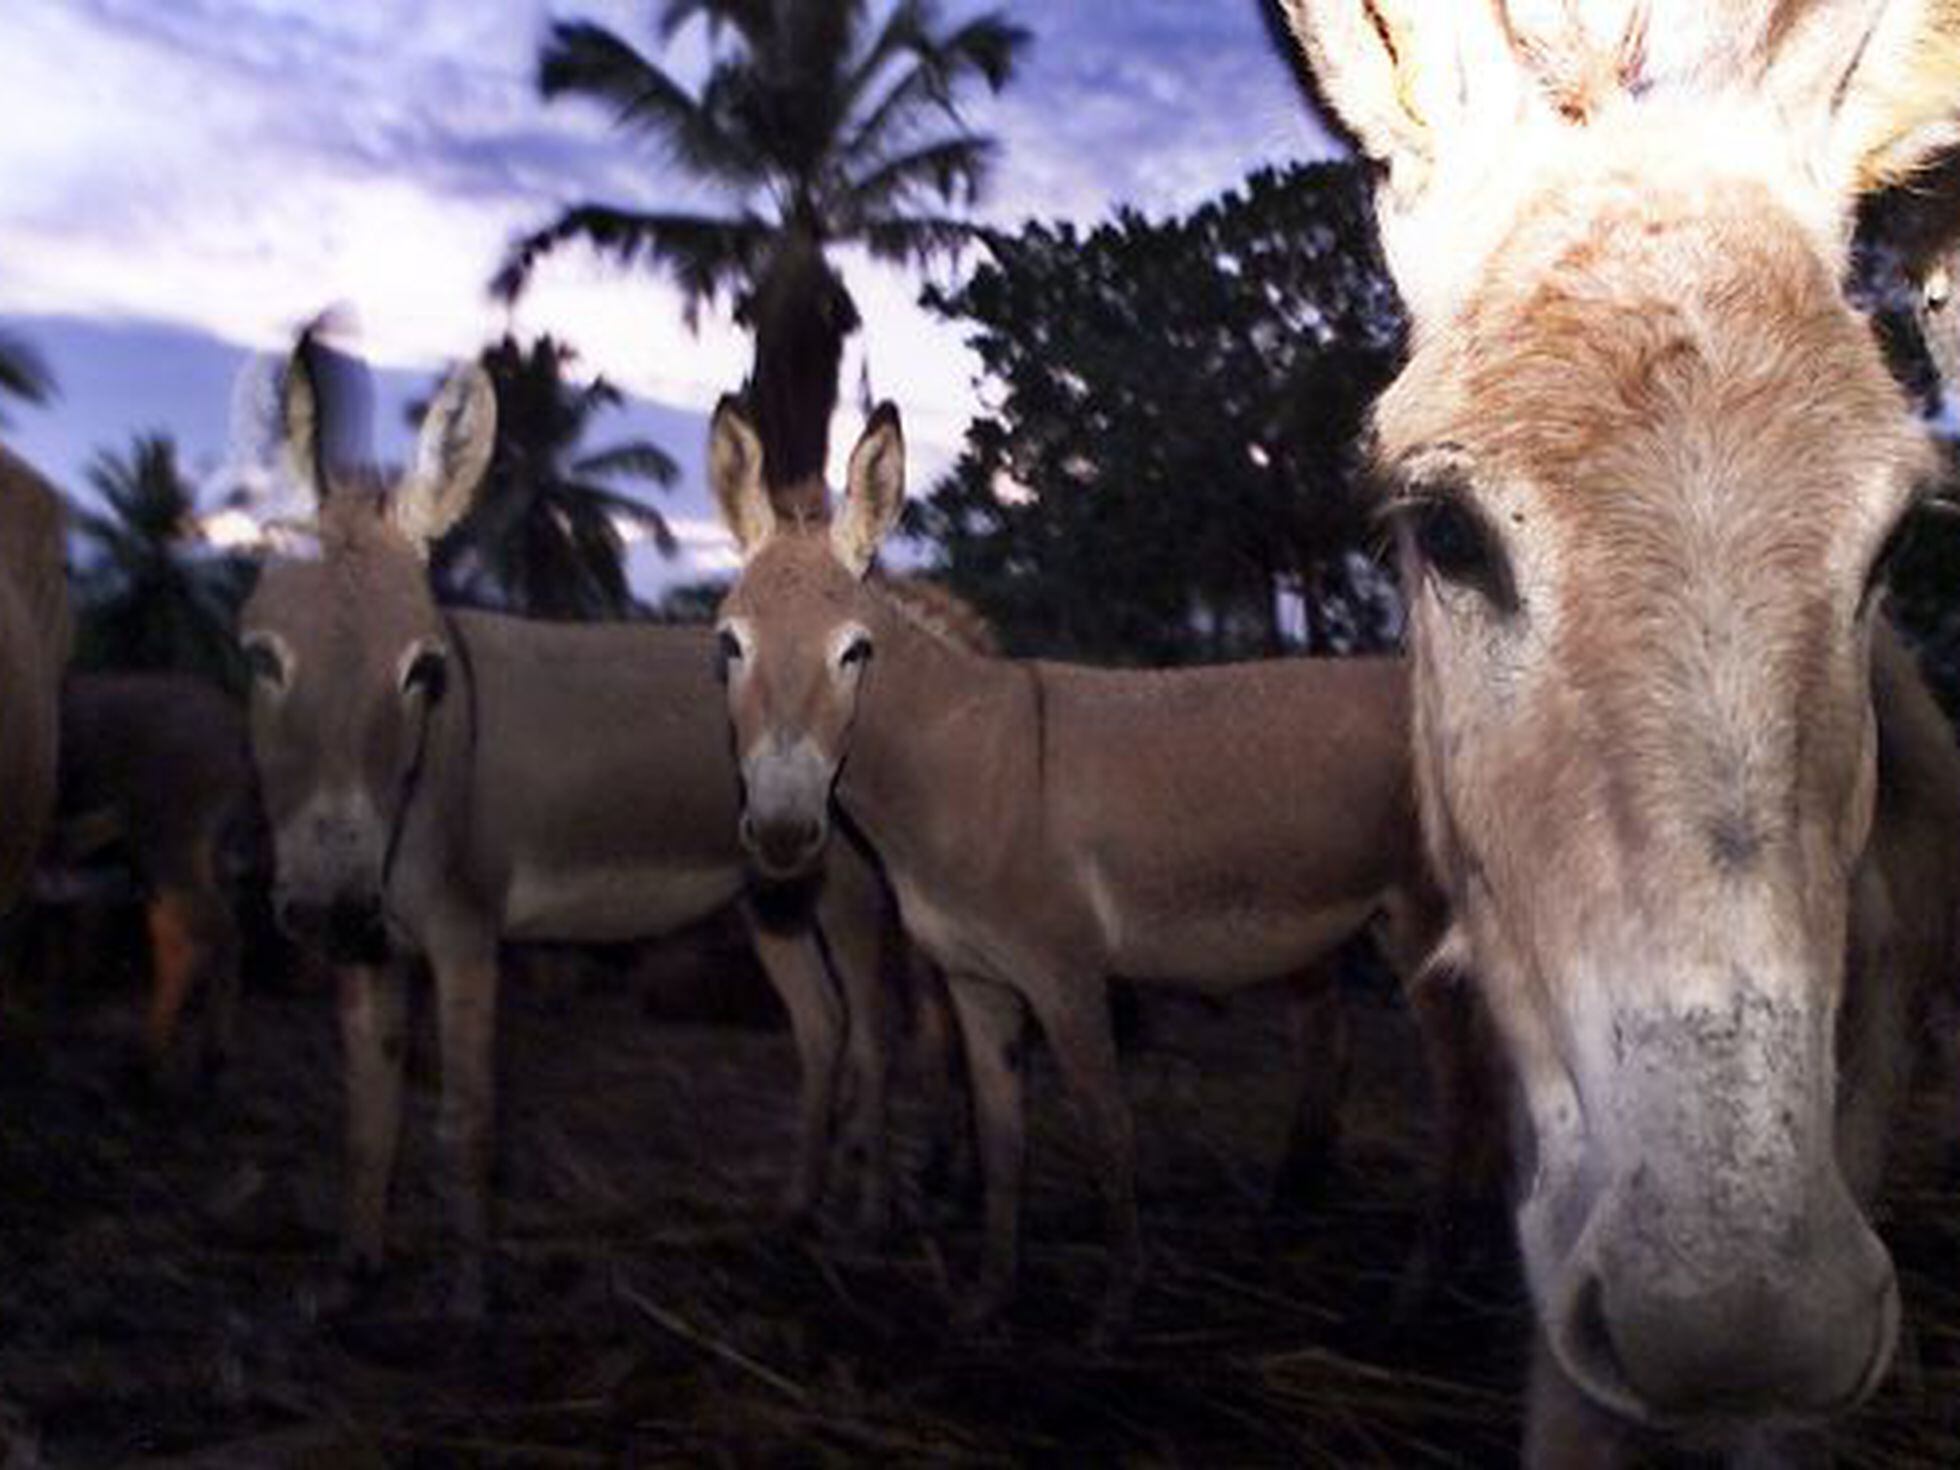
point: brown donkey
(160, 766)
(1047, 827)
(34, 635)
(1646, 461)
(437, 781)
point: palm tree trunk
(801, 313)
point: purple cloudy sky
(182, 184)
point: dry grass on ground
(165, 1272)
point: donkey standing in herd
(437, 781)
(159, 767)
(1646, 460)
(34, 636)
(1049, 827)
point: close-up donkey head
(1645, 462)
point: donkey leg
(951, 1169)
(1317, 1018)
(1075, 1019)
(466, 996)
(794, 964)
(993, 1023)
(1464, 1218)
(222, 965)
(373, 1030)
(175, 958)
(851, 912)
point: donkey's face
(349, 661)
(795, 635)
(1646, 460)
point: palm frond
(639, 460)
(988, 47)
(581, 59)
(24, 372)
(704, 254)
(917, 239)
(954, 170)
(753, 20)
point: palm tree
(547, 536)
(819, 124)
(152, 595)
(23, 373)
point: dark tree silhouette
(24, 373)
(1174, 450)
(547, 535)
(151, 593)
(820, 123)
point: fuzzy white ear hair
(735, 473)
(452, 454)
(299, 411)
(874, 491)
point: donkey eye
(728, 653)
(1455, 543)
(856, 653)
(428, 673)
(263, 662)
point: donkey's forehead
(795, 574)
(372, 593)
(1487, 181)
(1617, 332)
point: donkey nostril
(745, 829)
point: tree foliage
(1174, 445)
(818, 122)
(24, 373)
(151, 594)
(548, 533)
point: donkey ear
(459, 434)
(1883, 83)
(874, 491)
(735, 471)
(299, 412)
(1407, 76)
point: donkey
(160, 765)
(34, 637)
(1046, 827)
(437, 781)
(1645, 462)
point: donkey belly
(602, 903)
(1225, 947)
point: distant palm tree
(152, 594)
(23, 373)
(820, 126)
(547, 536)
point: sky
(202, 177)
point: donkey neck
(946, 749)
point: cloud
(232, 166)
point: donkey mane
(939, 612)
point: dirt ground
(168, 1292)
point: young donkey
(1046, 827)
(1648, 460)
(437, 781)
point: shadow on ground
(167, 1273)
